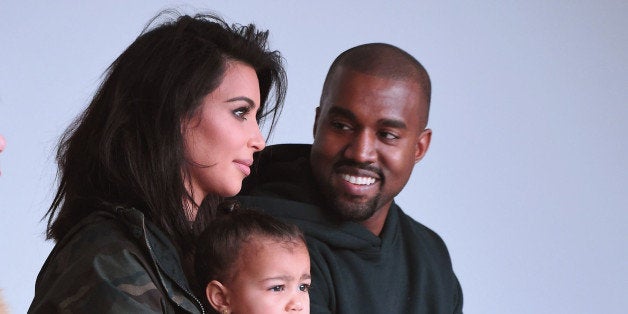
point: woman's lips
(244, 166)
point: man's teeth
(358, 180)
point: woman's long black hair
(126, 148)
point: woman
(174, 122)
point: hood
(316, 223)
(281, 184)
(282, 171)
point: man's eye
(339, 126)
(278, 288)
(388, 135)
(304, 287)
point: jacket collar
(163, 254)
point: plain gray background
(527, 173)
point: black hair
(126, 148)
(220, 244)
(383, 60)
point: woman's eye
(241, 112)
(304, 287)
(277, 288)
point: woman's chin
(232, 191)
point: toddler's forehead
(256, 243)
(259, 254)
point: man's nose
(362, 147)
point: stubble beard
(344, 206)
(349, 208)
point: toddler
(250, 262)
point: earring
(224, 311)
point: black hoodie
(407, 269)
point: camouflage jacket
(114, 262)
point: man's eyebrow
(342, 112)
(391, 123)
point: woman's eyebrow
(243, 98)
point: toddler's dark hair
(218, 247)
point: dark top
(113, 261)
(407, 269)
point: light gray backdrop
(527, 173)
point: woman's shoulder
(103, 262)
(98, 245)
(99, 233)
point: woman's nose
(257, 141)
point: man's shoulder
(282, 207)
(426, 239)
(282, 171)
(415, 231)
(317, 224)
(283, 152)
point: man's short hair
(383, 60)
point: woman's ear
(218, 296)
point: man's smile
(358, 180)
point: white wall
(528, 168)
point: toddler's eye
(304, 287)
(278, 288)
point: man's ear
(218, 296)
(318, 112)
(423, 143)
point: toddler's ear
(218, 296)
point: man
(367, 255)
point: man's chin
(354, 211)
